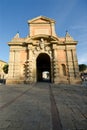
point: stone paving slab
(72, 105)
(43, 106)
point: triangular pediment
(41, 19)
(42, 25)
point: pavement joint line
(15, 99)
(77, 106)
(56, 122)
(62, 108)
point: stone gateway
(42, 55)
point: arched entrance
(43, 68)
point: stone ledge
(14, 81)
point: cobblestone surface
(43, 106)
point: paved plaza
(43, 106)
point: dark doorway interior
(43, 68)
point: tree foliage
(5, 68)
(82, 67)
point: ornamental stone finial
(17, 35)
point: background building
(2, 74)
(42, 50)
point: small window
(63, 69)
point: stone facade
(42, 50)
(2, 74)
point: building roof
(3, 61)
(43, 18)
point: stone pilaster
(55, 65)
(29, 76)
(14, 75)
(75, 64)
(11, 64)
(72, 65)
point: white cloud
(82, 27)
(82, 59)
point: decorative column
(29, 65)
(72, 65)
(75, 63)
(67, 64)
(11, 64)
(55, 65)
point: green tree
(5, 68)
(82, 67)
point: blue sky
(69, 15)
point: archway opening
(43, 68)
